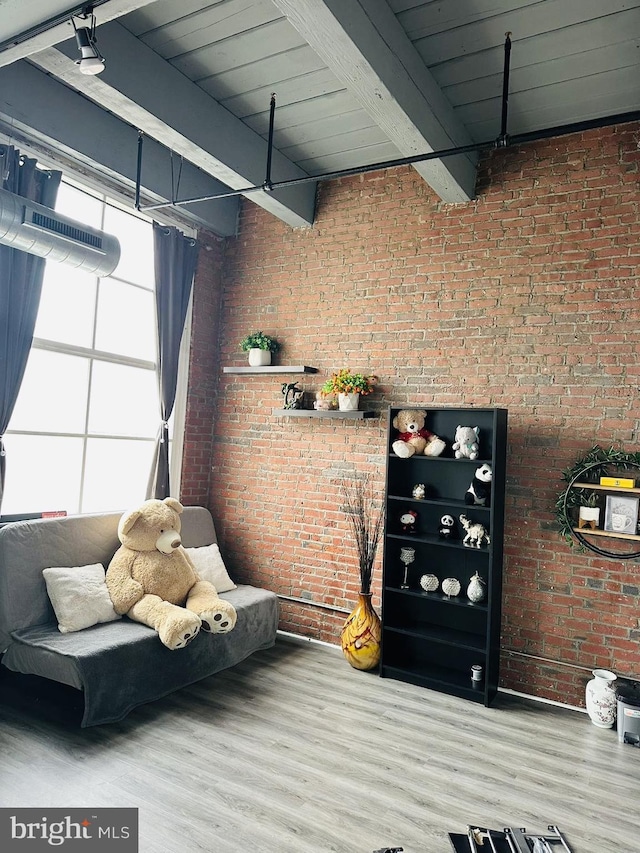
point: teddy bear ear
(394, 422)
(127, 521)
(174, 504)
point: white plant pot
(589, 516)
(348, 402)
(259, 357)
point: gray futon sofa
(120, 664)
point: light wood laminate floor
(293, 750)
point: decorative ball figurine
(475, 590)
(429, 583)
(408, 521)
(447, 527)
(418, 491)
(451, 586)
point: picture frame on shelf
(621, 514)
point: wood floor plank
(293, 751)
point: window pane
(53, 394)
(43, 474)
(116, 474)
(126, 320)
(124, 401)
(136, 244)
(79, 206)
(67, 306)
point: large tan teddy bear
(414, 438)
(152, 580)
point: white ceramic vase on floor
(601, 698)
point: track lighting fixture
(91, 61)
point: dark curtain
(20, 285)
(175, 258)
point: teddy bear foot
(178, 631)
(218, 620)
(434, 447)
(402, 449)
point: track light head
(91, 61)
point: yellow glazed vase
(360, 637)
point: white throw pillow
(209, 566)
(79, 596)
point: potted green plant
(259, 346)
(349, 387)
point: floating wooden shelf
(610, 534)
(619, 490)
(272, 368)
(322, 413)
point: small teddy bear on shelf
(414, 438)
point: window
(82, 433)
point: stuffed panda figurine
(479, 492)
(447, 527)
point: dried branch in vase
(366, 516)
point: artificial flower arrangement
(345, 382)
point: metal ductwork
(41, 231)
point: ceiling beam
(26, 44)
(146, 91)
(46, 110)
(365, 46)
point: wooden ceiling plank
(376, 153)
(367, 49)
(536, 20)
(549, 73)
(616, 32)
(209, 25)
(273, 69)
(303, 87)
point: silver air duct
(39, 230)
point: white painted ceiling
(357, 82)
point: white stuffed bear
(466, 442)
(414, 438)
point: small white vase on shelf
(601, 698)
(348, 402)
(259, 357)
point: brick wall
(204, 367)
(524, 298)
